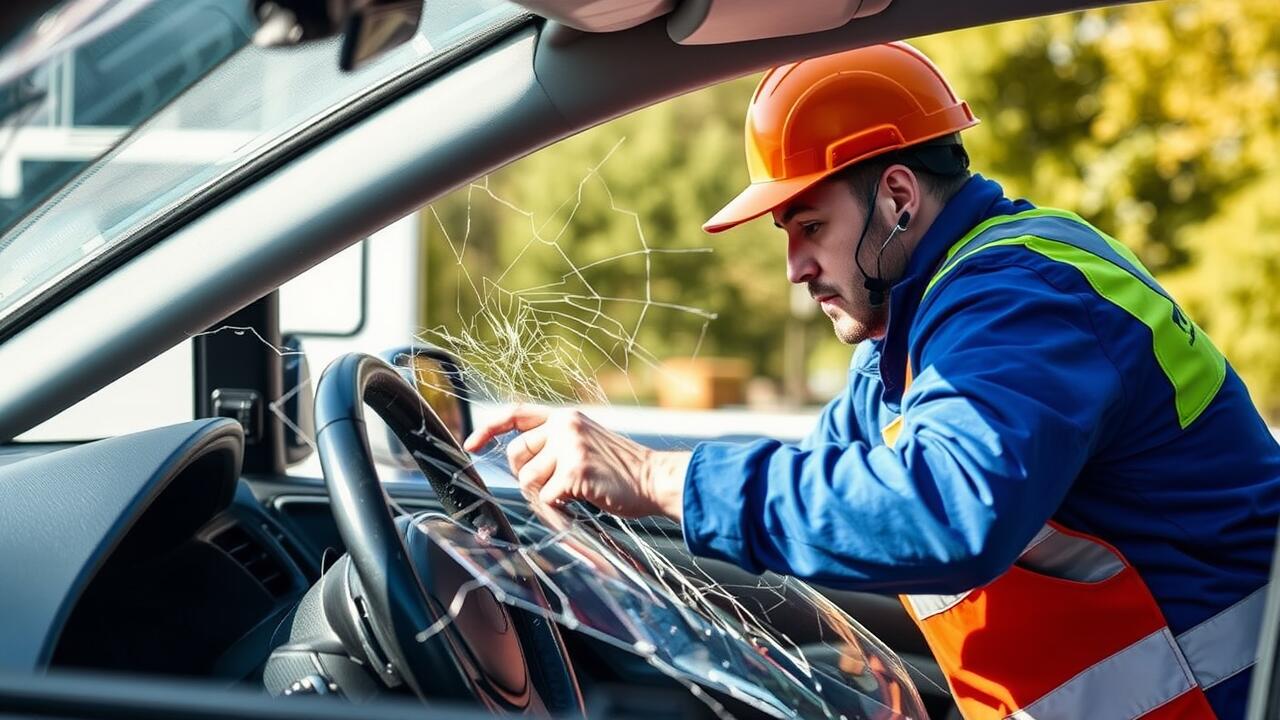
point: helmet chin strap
(877, 287)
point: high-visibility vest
(1071, 629)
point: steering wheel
(401, 583)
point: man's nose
(801, 267)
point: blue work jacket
(1033, 399)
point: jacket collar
(976, 201)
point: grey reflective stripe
(1045, 532)
(1226, 643)
(929, 605)
(1051, 553)
(1127, 685)
(1068, 557)
(1158, 668)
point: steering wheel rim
(388, 558)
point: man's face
(822, 226)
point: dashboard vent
(254, 557)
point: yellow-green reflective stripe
(1188, 358)
(1120, 248)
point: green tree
(1160, 123)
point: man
(1052, 463)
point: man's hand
(563, 455)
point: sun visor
(599, 15)
(708, 22)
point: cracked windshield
(545, 287)
(595, 414)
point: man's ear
(900, 192)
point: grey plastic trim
(597, 76)
(65, 512)
(66, 694)
(700, 22)
(600, 15)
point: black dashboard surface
(117, 555)
(65, 512)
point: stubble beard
(849, 329)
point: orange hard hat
(810, 119)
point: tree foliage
(1158, 122)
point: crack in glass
(603, 578)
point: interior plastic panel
(65, 512)
(93, 696)
(600, 15)
(703, 22)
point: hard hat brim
(760, 198)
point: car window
(250, 100)
(68, 99)
(580, 273)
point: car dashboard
(141, 553)
(204, 606)
(150, 554)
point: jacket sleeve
(840, 421)
(1012, 394)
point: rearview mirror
(369, 28)
(437, 376)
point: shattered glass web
(600, 574)
(534, 342)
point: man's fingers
(555, 489)
(536, 473)
(517, 417)
(525, 446)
